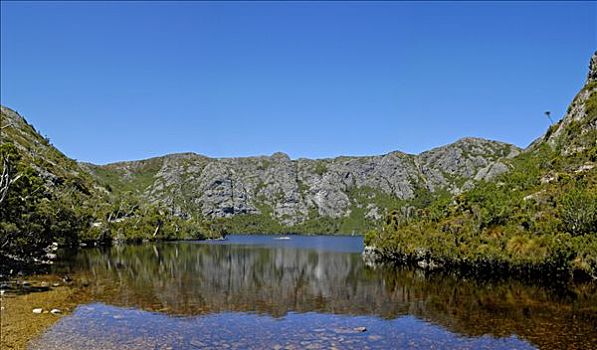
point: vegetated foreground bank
(538, 219)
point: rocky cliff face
(293, 191)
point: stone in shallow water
(38, 310)
(197, 344)
(350, 330)
(56, 311)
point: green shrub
(320, 168)
(578, 210)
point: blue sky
(120, 81)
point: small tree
(8, 176)
(548, 115)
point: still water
(259, 292)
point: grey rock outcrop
(592, 75)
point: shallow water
(258, 292)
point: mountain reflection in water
(255, 277)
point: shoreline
(20, 324)
(544, 274)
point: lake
(305, 292)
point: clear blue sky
(119, 81)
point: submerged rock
(350, 330)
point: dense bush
(31, 218)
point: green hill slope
(539, 218)
(47, 198)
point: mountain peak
(280, 156)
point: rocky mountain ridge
(345, 191)
(294, 191)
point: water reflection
(186, 279)
(99, 326)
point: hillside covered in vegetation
(539, 218)
(47, 198)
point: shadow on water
(281, 281)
